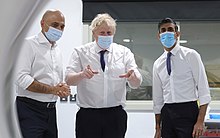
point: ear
(42, 23)
(177, 34)
(158, 35)
(95, 37)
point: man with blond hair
(100, 70)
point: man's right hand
(157, 133)
(88, 72)
(62, 90)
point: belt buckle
(50, 105)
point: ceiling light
(183, 41)
(127, 40)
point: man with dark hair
(167, 20)
(179, 81)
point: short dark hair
(167, 20)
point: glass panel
(141, 38)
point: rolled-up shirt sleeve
(74, 64)
(200, 78)
(158, 101)
(23, 66)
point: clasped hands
(89, 73)
(62, 90)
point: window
(141, 38)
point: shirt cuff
(26, 83)
(206, 99)
(157, 109)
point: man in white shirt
(40, 79)
(100, 70)
(179, 81)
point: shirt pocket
(117, 69)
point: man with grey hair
(100, 70)
(40, 79)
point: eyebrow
(56, 23)
(167, 29)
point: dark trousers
(101, 123)
(178, 119)
(36, 119)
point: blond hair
(103, 18)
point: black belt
(182, 103)
(103, 109)
(37, 103)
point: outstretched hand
(88, 72)
(127, 75)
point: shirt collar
(43, 40)
(98, 49)
(174, 50)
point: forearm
(39, 87)
(74, 78)
(157, 121)
(202, 113)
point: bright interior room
(137, 29)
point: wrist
(157, 126)
(81, 75)
(52, 90)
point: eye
(170, 29)
(62, 27)
(162, 30)
(55, 24)
(109, 33)
(102, 33)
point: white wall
(140, 125)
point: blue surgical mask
(167, 39)
(53, 34)
(105, 41)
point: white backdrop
(16, 18)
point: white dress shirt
(104, 89)
(38, 61)
(187, 81)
